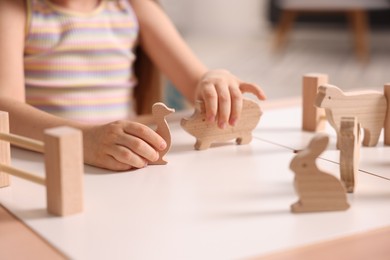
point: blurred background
(274, 42)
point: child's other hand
(121, 145)
(222, 94)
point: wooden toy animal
(160, 111)
(368, 106)
(317, 190)
(206, 133)
(349, 151)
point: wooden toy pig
(207, 133)
(368, 106)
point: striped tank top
(79, 66)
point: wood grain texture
(369, 107)
(372, 244)
(17, 241)
(160, 111)
(313, 118)
(5, 149)
(64, 170)
(207, 133)
(23, 142)
(349, 151)
(317, 190)
(22, 174)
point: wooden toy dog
(207, 133)
(368, 106)
(317, 190)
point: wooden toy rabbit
(317, 190)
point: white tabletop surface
(283, 127)
(227, 202)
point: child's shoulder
(13, 9)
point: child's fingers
(254, 89)
(127, 156)
(222, 94)
(143, 133)
(210, 99)
(236, 105)
(109, 162)
(137, 146)
(224, 104)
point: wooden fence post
(5, 149)
(64, 170)
(313, 118)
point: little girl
(74, 62)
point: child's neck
(78, 5)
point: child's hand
(222, 94)
(121, 145)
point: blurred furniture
(356, 12)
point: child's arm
(118, 146)
(221, 91)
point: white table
(283, 127)
(227, 202)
